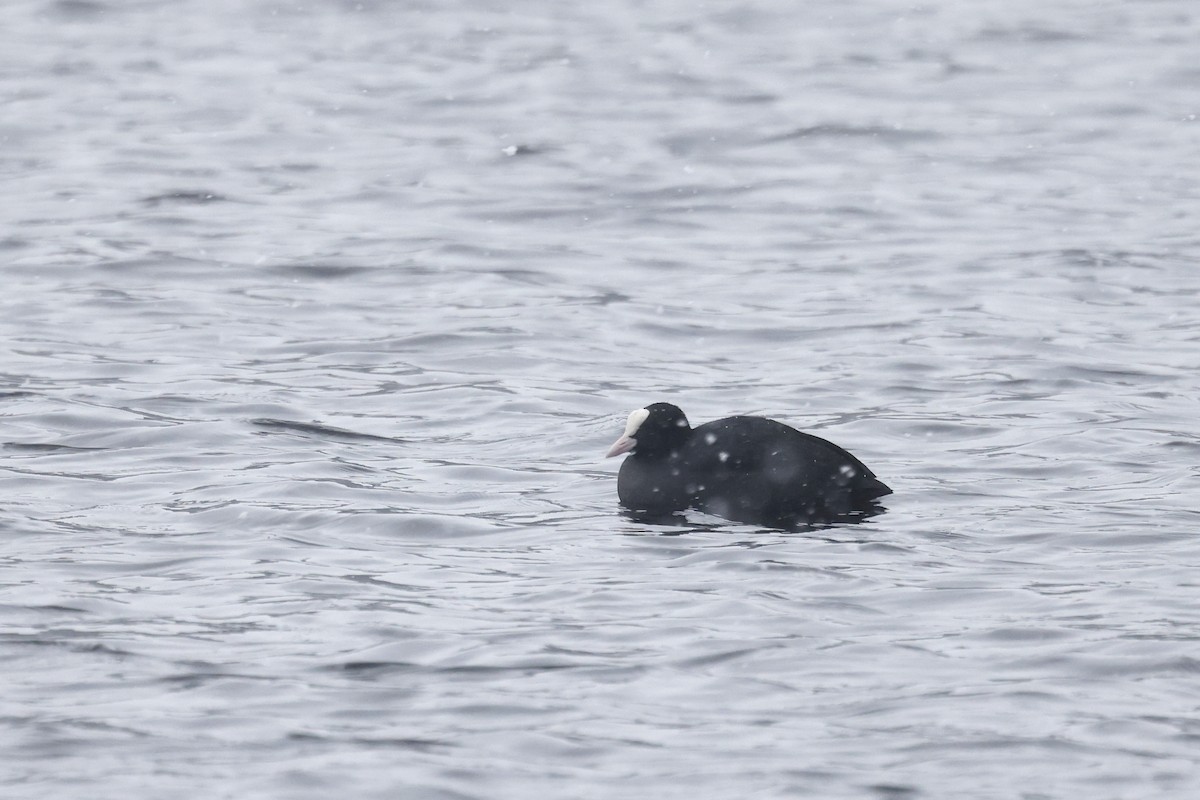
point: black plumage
(748, 469)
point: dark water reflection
(315, 318)
(768, 523)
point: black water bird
(746, 469)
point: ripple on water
(305, 388)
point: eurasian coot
(747, 469)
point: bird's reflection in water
(686, 524)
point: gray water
(318, 317)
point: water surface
(319, 317)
